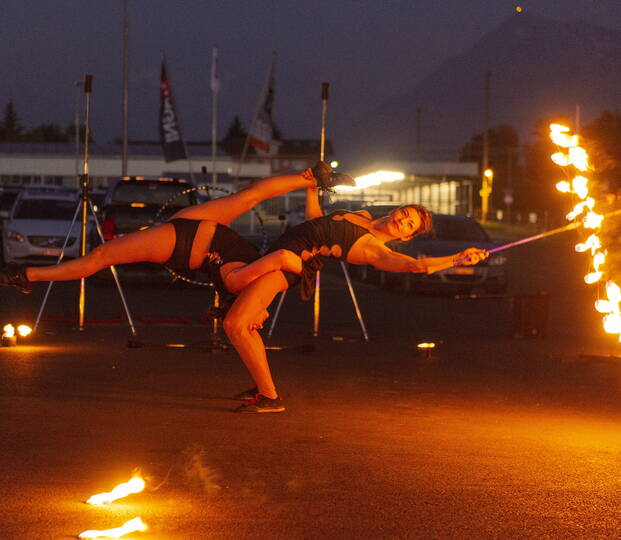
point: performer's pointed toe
(13, 275)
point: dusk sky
(368, 51)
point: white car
(37, 227)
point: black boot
(15, 276)
(327, 178)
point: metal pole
(322, 147)
(214, 117)
(485, 185)
(125, 87)
(78, 94)
(88, 81)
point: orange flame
(130, 526)
(578, 158)
(135, 485)
(8, 330)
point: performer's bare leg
(151, 245)
(244, 274)
(240, 327)
(226, 209)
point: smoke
(198, 473)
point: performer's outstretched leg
(226, 209)
(151, 245)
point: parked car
(450, 234)
(132, 203)
(8, 195)
(38, 225)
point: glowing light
(579, 185)
(426, 345)
(578, 157)
(593, 220)
(135, 485)
(138, 205)
(613, 291)
(593, 277)
(131, 526)
(9, 331)
(519, 9)
(334, 164)
(24, 330)
(612, 324)
(592, 243)
(563, 139)
(604, 306)
(373, 179)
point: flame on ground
(135, 485)
(8, 330)
(575, 161)
(131, 526)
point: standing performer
(195, 237)
(349, 236)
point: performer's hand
(308, 175)
(470, 256)
(258, 324)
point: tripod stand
(83, 206)
(317, 297)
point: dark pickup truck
(133, 203)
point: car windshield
(55, 209)
(150, 193)
(456, 230)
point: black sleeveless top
(332, 234)
(226, 246)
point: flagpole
(254, 120)
(214, 92)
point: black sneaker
(247, 395)
(327, 178)
(13, 275)
(261, 404)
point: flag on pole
(261, 132)
(171, 140)
(215, 74)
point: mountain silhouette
(539, 68)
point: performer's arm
(313, 208)
(383, 258)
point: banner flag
(261, 131)
(170, 131)
(215, 74)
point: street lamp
(486, 191)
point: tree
(233, 141)
(45, 133)
(503, 159)
(10, 129)
(602, 139)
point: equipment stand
(317, 297)
(84, 205)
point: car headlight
(15, 237)
(497, 260)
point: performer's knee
(234, 325)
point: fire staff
(349, 236)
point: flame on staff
(130, 526)
(135, 485)
(8, 331)
(575, 158)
